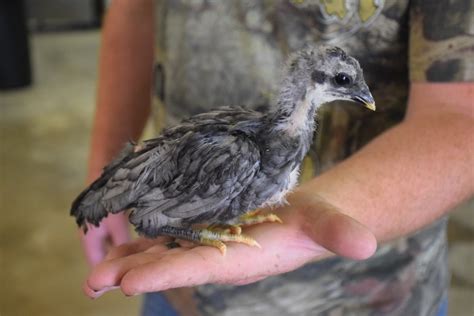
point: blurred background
(48, 71)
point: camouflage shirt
(218, 53)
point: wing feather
(194, 165)
(213, 170)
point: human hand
(309, 231)
(113, 231)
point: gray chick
(215, 168)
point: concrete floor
(44, 139)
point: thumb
(337, 232)
(118, 228)
(93, 245)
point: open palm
(309, 232)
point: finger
(345, 236)
(118, 227)
(171, 271)
(109, 273)
(88, 291)
(192, 267)
(339, 233)
(136, 246)
(93, 244)
(95, 294)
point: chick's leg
(208, 237)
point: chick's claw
(226, 228)
(214, 243)
(257, 218)
(210, 237)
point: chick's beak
(366, 99)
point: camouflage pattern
(218, 53)
(442, 41)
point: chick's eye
(342, 79)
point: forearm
(410, 175)
(125, 79)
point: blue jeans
(156, 304)
(443, 308)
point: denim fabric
(443, 308)
(156, 304)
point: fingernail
(99, 293)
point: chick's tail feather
(88, 207)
